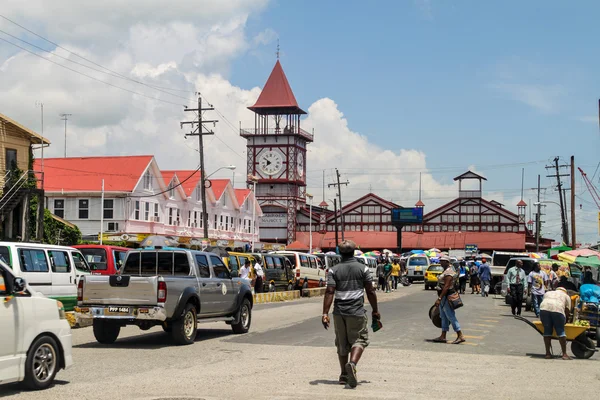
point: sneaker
(343, 379)
(351, 371)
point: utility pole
(339, 194)
(65, 117)
(537, 219)
(198, 130)
(336, 224)
(563, 217)
(573, 234)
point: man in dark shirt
(347, 283)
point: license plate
(418, 273)
(118, 310)
(417, 268)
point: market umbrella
(433, 254)
(534, 255)
(570, 256)
(358, 253)
(386, 251)
(220, 251)
(590, 261)
(331, 253)
(372, 254)
(417, 251)
(436, 250)
(159, 241)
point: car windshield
(96, 258)
(435, 268)
(417, 261)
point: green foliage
(55, 232)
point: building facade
(141, 200)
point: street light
(253, 179)
(563, 224)
(203, 179)
(310, 197)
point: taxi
(431, 275)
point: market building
(467, 220)
(140, 200)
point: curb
(272, 297)
(77, 323)
(314, 292)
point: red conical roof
(419, 204)
(277, 96)
(323, 204)
(521, 204)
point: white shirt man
(245, 271)
(258, 269)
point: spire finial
(277, 49)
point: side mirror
(19, 285)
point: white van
(310, 272)
(370, 262)
(36, 337)
(51, 270)
(416, 266)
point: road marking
(470, 344)
(485, 326)
(473, 337)
(490, 320)
(479, 330)
(488, 317)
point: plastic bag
(590, 293)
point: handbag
(454, 300)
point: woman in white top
(554, 312)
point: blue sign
(407, 215)
(472, 248)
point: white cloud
(544, 98)
(590, 119)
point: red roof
(521, 204)
(189, 185)
(218, 187)
(241, 195)
(297, 245)
(323, 204)
(277, 93)
(420, 204)
(426, 240)
(85, 174)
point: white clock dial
(270, 162)
(300, 165)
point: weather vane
(277, 49)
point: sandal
(459, 341)
(439, 340)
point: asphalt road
(288, 355)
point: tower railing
(276, 131)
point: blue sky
(469, 83)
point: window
(270, 264)
(189, 219)
(215, 225)
(132, 264)
(156, 216)
(171, 190)
(59, 208)
(136, 212)
(233, 263)
(219, 268)
(148, 263)
(113, 227)
(148, 180)
(11, 159)
(146, 211)
(278, 263)
(444, 218)
(59, 260)
(5, 255)
(313, 263)
(304, 261)
(79, 260)
(181, 265)
(33, 260)
(84, 209)
(165, 263)
(119, 257)
(221, 222)
(202, 262)
(170, 216)
(109, 209)
(195, 219)
(226, 222)
(198, 194)
(178, 222)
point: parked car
(371, 263)
(53, 270)
(235, 261)
(279, 274)
(498, 265)
(103, 260)
(174, 288)
(431, 275)
(35, 338)
(309, 271)
(416, 266)
(329, 260)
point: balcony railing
(276, 131)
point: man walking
(485, 276)
(347, 282)
(395, 274)
(258, 286)
(516, 281)
(537, 282)
(380, 276)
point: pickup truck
(174, 288)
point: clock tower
(276, 157)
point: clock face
(300, 165)
(270, 162)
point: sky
(393, 89)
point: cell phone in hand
(376, 325)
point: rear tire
(321, 283)
(528, 303)
(271, 287)
(290, 287)
(42, 364)
(168, 328)
(184, 328)
(305, 284)
(244, 318)
(578, 347)
(106, 332)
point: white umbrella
(436, 250)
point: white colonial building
(140, 200)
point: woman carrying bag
(448, 300)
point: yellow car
(431, 275)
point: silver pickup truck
(174, 288)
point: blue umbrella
(417, 251)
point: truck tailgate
(120, 290)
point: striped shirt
(349, 278)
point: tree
(56, 232)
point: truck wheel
(106, 332)
(321, 283)
(271, 287)
(43, 362)
(167, 327)
(184, 329)
(579, 347)
(597, 336)
(244, 318)
(290, 287)
(305, 284)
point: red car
(103, 260)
